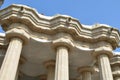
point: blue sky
(86, 11)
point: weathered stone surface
(38, 38)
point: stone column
(63, 44)
(62, 67)
(10, 64)
(104, 66)
(50, 65)
(102, 54)
(115, 64)
(86, 72)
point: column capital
(62, 64)
(86, 69)
(49, 63)
(63, 42)
(103, 50)
(16, 30)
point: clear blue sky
(86, 11)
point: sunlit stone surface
(39, 47)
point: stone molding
(63, 42)
(116, 74)
(2, 40)
(86, 69)
(49, 63)
(52, 25)
(115, 64)
(115, 61)
(102, 50)
(17, 32)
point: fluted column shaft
(104, 66)
(62, 69)
(86, 72)
(51, 73)
(86, 75)
(11, 60)
(50, 65)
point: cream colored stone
(115, 65)
(104, 66)
(102, 53)
(86, 72)
(50, 65)
(11, 61)
(18, 32)
(62, 64)
(45, 34)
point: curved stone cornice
(103, 50)
(59, 23)
(63, 42)
(17, 32)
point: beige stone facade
(38, 47)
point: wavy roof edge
(48, 24)
(57, 15)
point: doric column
(102, 54)
(86, 72)
(50, 65)
(62, 67)
(17, 37)
(62, 46)
(104, 66)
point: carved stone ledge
(116, 73)
(86, 69)
(115, 61)
(63, 42)
(115, 64)
(16, 32)
(50, 25)
(102, 50)
(49, 63)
